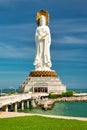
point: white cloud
(4, 1)
(69, 25)
(10, 51)
(14, 40)
(70, 40)
(73, 40)
(71, 31)
(69, 55)
(17, 33)
(13, 35)
(12, 72)
(18, 28)
(8, 2)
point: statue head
(42, 20)
(40, 15)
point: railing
(7, 100)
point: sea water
(76, 109)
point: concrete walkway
(18, 114)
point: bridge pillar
(27, 103)
(22, 105)
(33, 104)
(6, 108)
(15, 107)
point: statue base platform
(42, 81)
(50, 73)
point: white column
(27, 103)
(22, 105)
(15, 107)
(6, 108)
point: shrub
(67, 94)
(64, 94)
(51, 95)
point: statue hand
(43, 37)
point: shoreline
(71, 99)
(18, 114)
(49, 103)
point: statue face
(42, 21)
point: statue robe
(42, 58)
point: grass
(41, 123)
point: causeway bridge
(19, 101)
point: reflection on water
(77, 109)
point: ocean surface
(76, 109)
(17, 90)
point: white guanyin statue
(43, 41)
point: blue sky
(68, 25)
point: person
(43, 42)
